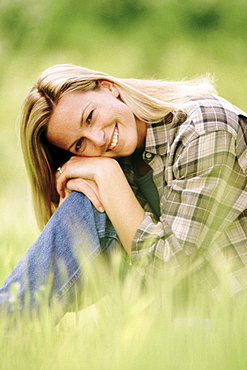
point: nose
(97, 138)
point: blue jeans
(76, 232)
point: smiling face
(95, 123)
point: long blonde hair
(149, 100)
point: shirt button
(148, 155)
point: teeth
(114, 139)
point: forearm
(120, 204)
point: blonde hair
(149, 100)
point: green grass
(128, 329)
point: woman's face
(95, 123)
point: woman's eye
(79, 144)
(90, 116)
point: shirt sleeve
(204, 197)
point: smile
(114, 139)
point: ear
(110, 87)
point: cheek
(52, 137)
(125, 112)
(58, 139)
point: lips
(114, 139)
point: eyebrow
(81, 123)
(83, 112)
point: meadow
(129, 328)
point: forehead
(64, 118)
(70, 103)
(68, 111)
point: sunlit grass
(129, 328)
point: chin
(127, 153)
(123, 153)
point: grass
(128, 329)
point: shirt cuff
(147, 236)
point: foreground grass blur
(130, 328)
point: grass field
(128, 329)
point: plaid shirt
(199, 166)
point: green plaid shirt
(199, 166)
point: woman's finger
(87, 187)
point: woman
(154, 168)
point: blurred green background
(169, 39)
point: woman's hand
(88, 169)
(72, 177)
(87, 187)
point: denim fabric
(76, 229)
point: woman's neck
(142, 167)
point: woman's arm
(112, 191)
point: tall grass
(131, 327)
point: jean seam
(78, 272)
(75, 277)
(62, 291)
(69, 284)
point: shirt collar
(156, 138)
(160, 134)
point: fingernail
(101, 209)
